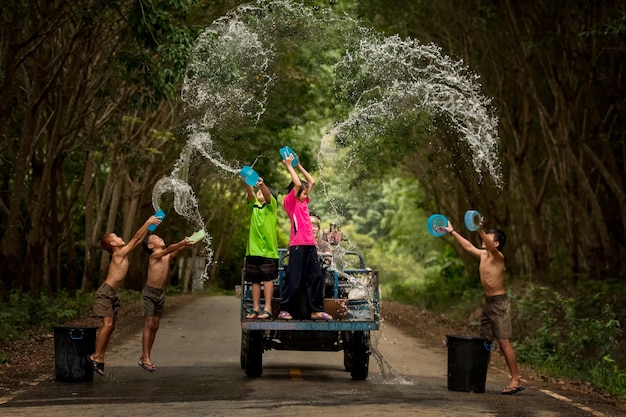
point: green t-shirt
(263, 240)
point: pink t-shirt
(301, 228)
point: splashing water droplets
(226, 77)
(386, 80)
(390, 78)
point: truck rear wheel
(347, 350)
(360, 355)
(243, 350)
(253, 363)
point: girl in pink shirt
(303, 269)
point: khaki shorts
(153, 301)
(496, 318)
(106, 303)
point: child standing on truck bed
(261, 262)
(303, 268)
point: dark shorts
(496, 318)
(260, 269)
(153, 301)
(106, 303)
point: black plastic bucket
(72, 345)
(468, 359)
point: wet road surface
(197, 354)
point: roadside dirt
(33, 360)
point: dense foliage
(555, 72)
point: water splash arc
(228, 80)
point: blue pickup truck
(351, 297)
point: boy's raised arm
(173, 249)
(140, 234)
(491, 247)
(465, 244)
(265, 190)
(249, 191)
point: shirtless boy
(496, 315)
(106, 302)
(153, 294)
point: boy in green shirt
(262, 251)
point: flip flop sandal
(284, 315)
(149, 368)
(322, 316)
(264, 315)
(98, 367)
(511, 391)
(252, 314)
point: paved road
(199, 374)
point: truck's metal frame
(348, 331)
